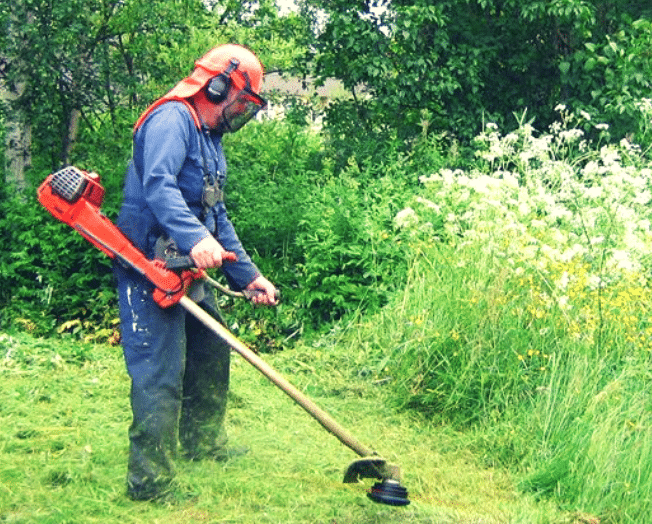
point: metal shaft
(317, 413)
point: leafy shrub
(353, 257)
(50, 274)
(608, 79)
(52, 277)
(273, 167)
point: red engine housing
(74, 197)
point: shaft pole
(315, 411)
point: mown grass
(63, 447)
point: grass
(63, 449)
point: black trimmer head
(388, 490)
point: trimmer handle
(181, 262)
(177, 263)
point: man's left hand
(267, 292)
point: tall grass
(528, 317)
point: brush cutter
(74, 197)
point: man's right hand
(209, 253)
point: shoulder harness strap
(161, 101)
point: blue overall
(179, 369)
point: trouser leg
(205, 387)
(154, 346)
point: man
(173, 201)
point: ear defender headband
(218, 88)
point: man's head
(229, 77)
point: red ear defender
(74, 197)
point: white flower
(622, 261)
(643, 198)
(563, 303)
(593, 192)
(406, 218)
(563, 281)
(423, 179)
(429, 204)
(571, 135)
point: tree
(74, 59)
(17, 132)
(448, 65)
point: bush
(608, 79)
(353, 256)
(328, 240)
(51, 275)
(53, 279)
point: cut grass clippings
(64, 417)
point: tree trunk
(18, 138)
(71, 136)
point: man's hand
(267, 295)
(209, 253)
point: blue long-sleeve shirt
(163, 189)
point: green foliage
(608, 79)
(353, 259)
(53, 279)
(50, 274)
(328, 242)
(467, 62)
(273, 169)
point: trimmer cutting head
(388, 490)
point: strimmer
(74, 197)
